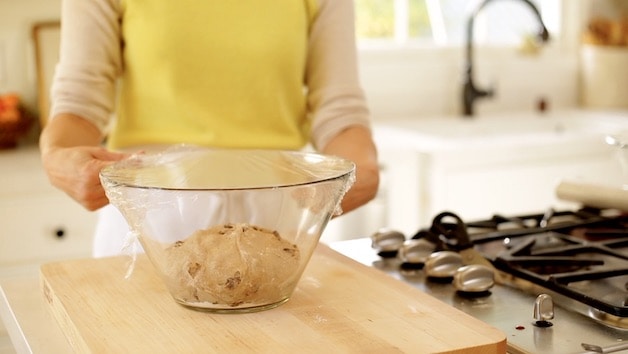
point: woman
(275, 74)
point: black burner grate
(592, 272)
(582, 254)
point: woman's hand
(75, 170)
(72, 157)
(356, 144)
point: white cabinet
(38, 223)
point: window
(443, 22)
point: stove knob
(387, 242)
(414, 252)
(442, 265)
(543, 310)
(474, 279)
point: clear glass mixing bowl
(228, 230)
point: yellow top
(226, 73)
(198, 76)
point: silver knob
(474, 278)
(443, 264)
(543, 310)
(387, 242)
(416, 251)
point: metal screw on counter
(543, 310)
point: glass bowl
(228, 230)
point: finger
(107, 155)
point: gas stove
(581, 255)
(562, 277)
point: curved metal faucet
(470, 92)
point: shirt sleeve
(89, 60)
(336, 100)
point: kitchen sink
(477, 166)
(513, 128)
(510, 162)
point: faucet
(470, 92)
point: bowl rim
(111, 175)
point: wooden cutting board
(339, 306)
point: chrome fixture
(543, 310)
(470, 92)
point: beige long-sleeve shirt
(235, 73)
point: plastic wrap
(187, 167)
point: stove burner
(582, 270)
(500, 227)
(581, 255)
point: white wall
(421, 83)
(427, 82)
(399, 83)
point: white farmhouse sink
(476, 167)
(511, 128)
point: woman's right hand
(72, 156)
(75, 170)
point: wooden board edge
(60, 314)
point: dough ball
(232, 265)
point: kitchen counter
(339, 321)
(31, 328)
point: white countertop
(31, 327)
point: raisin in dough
(233, 265)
